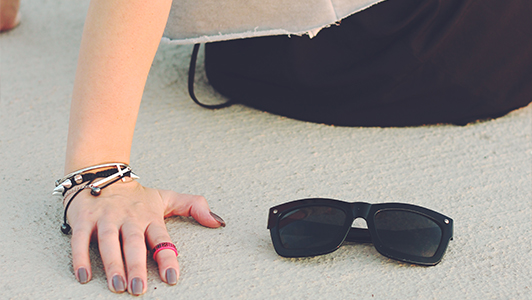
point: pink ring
(162, 246)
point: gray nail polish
(118, 284)
(136, 286)
(218, 219)
(171, 276)
(83, 275)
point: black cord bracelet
(110, 176)
(95, 191)
(65, 228)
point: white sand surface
(245, 161)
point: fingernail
(136, 286)
(171, 276)
(218, 219)
(83, 275)
(118, 284)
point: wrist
(96, 178)
(75, 162)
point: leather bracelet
(80, 176)
(87, 169)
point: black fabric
(398, 63)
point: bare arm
(119, 42)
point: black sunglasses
(400, 231)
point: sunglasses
(400, 231)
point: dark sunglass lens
(408, 232)
(311, 227)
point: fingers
(134, 245)
(134, 250)
(124, 222)
(191, 205)
(80, 241)
(166, 259)
(111, 253)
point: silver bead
(67, 184)
(78, 179)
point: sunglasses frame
(366, 211)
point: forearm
(119, 41)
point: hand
(123, 220)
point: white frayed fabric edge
(256, 33)
(235, 36)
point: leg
(9, 15)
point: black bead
(96, 191)
(65, 228)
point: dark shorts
(398, 63)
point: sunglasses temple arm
(359, 235)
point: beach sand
(244, 161)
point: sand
(244, 161)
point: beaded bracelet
(111, 176)
(91, 168)
(81, 176)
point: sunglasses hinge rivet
(275, 211)
(446, 221)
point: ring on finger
(162, 246)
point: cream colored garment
(200, 21)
